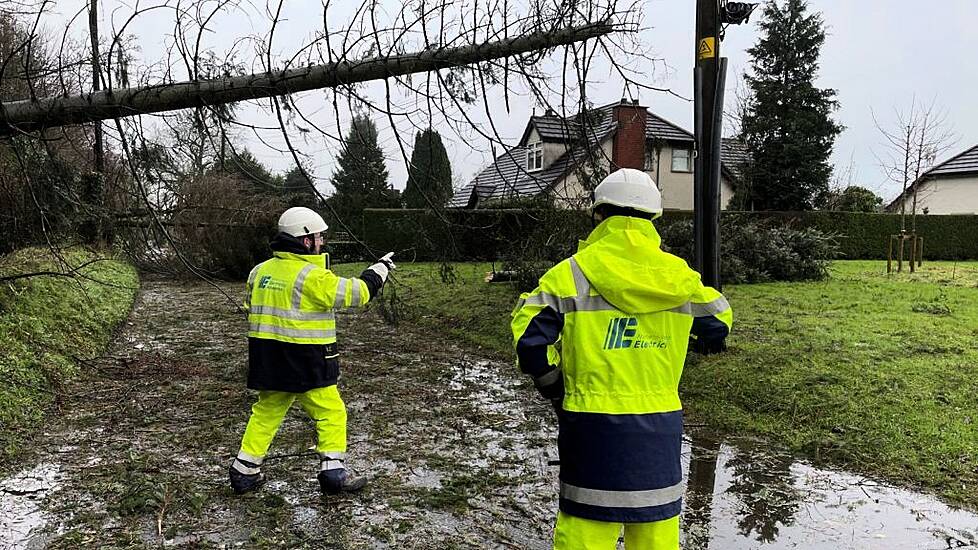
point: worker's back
(604, 337)
(624, 310)
(292, 353)
(624, 352)
(291, 319)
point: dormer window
(534, 156)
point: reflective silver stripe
(685, 309)
(293, 332)
(586, 303)
(332, 455)
(250, 288)
(331, 465)
(248, 471)
(582, 302)
(293, 313)
(569, 305)
(622, 499)
(548, 378)
(250, 458)
(252, 275)
(543, 299)
(711, 308)
(340, 300)
(581, 283)
(299, 281)
(355, 302)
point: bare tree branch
(28, 116)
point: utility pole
(96, 82)
(709, 76)
(706, 171)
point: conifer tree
(787, 122)
(360, 179)
(297, 190)
(429, 183)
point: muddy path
(454, 441)
(137, 455)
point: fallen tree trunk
(506, 276)
(29, 116)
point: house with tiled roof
(950, 187)
(562, 158)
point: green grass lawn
(875, 373)
(452, 298)
(47, 324)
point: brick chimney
(628, 150)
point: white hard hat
(299, 221)
(629, 188)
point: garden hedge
(457, 234)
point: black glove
(388, 260)
(383, 267)
(709, 347)
(552, 391)
(558, 405)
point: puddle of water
(741, 495)
(480, 380)
(423, 477)
(482, 422)
(21, 504)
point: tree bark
(28, 116)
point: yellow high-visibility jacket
(291, 304)
(605, 335)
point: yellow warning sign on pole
(706, 48)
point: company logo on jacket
(623, 334)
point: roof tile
(507, 177)
(963, 163)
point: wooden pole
(99, 151)
(889, 256)
(708, 76)
(901, 240)
(913, 253)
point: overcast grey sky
(879, 54)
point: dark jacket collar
(283, 242)
(286, 247)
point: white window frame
(534, 156)
(689, 161)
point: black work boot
(245, 476)
(334, 478)
(340, 480)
